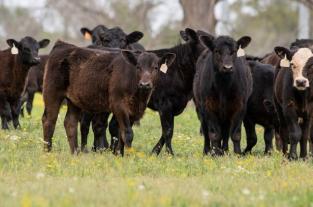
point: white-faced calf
(293, 98)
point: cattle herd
(115, 74)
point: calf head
(93, 34)
(117, 38)
(112, 38)
(148, 66)
(300, 43)
(28, 49)
(187, 37)
(192, 38)
(301, 64)
(224, 51)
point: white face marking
(299, 59)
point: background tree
(269, 23)
(199, 14)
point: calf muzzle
(145, 85)
(302, 84)
(35, 60)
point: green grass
(30, 177)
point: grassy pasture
(30, 177)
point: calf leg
(49, 118)
(84, 129)
(216, 139)
(99, 125)
(311, 140)
(305, 127)
(125, 128)
(236, 132)
(70, 124)
(205, 132)
(29, 103)
(113, 128)
(278, 141)
(283, 138)
(268, 137)
(236, 137)
(5, 112)
(15, 111)
(294, 131)
(4, 122)
(250, 135)
(23, 100)
(167, 123)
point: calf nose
(36, 60)
(145, 85)
(227, 68)
(301, 83)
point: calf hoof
(128, 143)
(246, 152)
(117, 153)
(292, 156)
(157, 149)
(114, 142)
(85, 150)
(170, 151)
(103, 149)
(303, 156)
(47, 147)
(217, 152)
(268, 152)
(75, 152)
(237, 151)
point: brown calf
(98, 81)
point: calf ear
(243, 42)
(282, 52)
(10, 42)
(203, 33)
(134, 37)
(183, 35)
(167, 59)
(87, 33)
(44, 43)
(129, 57)
(191, 35)
(207, 41)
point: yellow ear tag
(87, 36)
(240, 52)
(285, 62)
(14, 50)
(163, 68)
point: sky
(169, 10)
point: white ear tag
(163, 68)
(240, 52)
(285, 62)
(14, 50)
